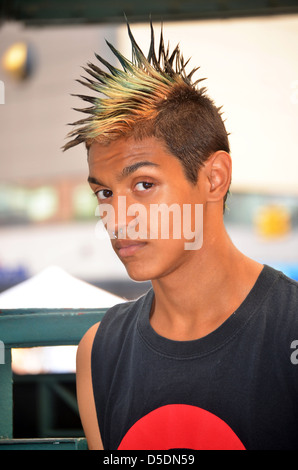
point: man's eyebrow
(93, 180)
(128, 170)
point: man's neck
(197, 298)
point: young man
(203, 360)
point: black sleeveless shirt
(236, 388)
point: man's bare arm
(85, 391)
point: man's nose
(122, 219)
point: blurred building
(46, 207)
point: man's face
(133, 179)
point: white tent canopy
(55, 288)
(52, 288)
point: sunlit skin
(159, 180)
(186, 283)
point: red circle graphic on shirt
(180, 427)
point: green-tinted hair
(128, 96)
(151, 96)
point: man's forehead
(123, 158)
(125, 150)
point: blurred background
(247, 50)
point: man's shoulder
(118, 327)
(285, 286)
(281, 302)
(279, 282)
(121, 315)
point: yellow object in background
(273, 221)
(16, 60)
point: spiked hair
(151, 96)
(132, 94)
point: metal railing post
(6, 401)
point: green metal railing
(25, 328)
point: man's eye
(143, 186)
(103, 194)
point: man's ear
(218, 172)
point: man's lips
(128, 247)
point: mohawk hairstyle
(151, 96)
(132, 95)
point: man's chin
(138, 272)
(138, 277)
